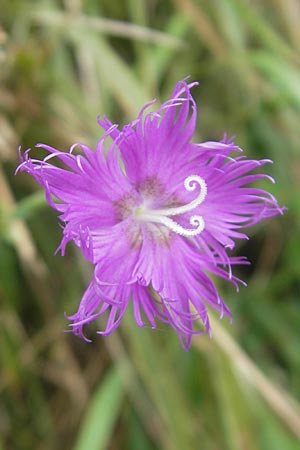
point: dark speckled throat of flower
(156, 227)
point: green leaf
(280, 73)
(101, 415)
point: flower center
(162, 216)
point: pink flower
(155, 216)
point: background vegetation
(62, 63)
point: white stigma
(162, 215)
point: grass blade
(101, 415)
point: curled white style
(162, 216)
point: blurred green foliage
(63, 62)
